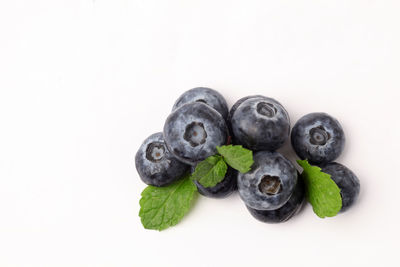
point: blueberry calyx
(195, 134)
(201, 101)
(319, 136)
(155, 152)
(270, 185)
(266, 109)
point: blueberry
(346, 180)
(260, 123)
(239, 102)
(235, 106)
(193, 131)
(270, 183)
(204, 95)
(318, 137)
(155, 164)
(287, 211)
(223, 188)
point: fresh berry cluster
(196, 139)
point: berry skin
(239, 102)
(287, 211)
(235, 106)
(318, 137)
(223, 188)
(260, 123)
(346, 180)
(193, 131)
(155, 164)
(270, 183)
(205, 95)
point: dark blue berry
(155, 164)
(318, 137)
(193, 131)
(270, 183)
(223, 188)
(205, 95)
(346, 180)
(235, 106)
(239, 102)
(287, 211)
(260, 123)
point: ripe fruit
(155, 164)
(318, 137)
(193, 131)
(205, 95)
(346, 180)
(287, 211)
(270, 183)
(234, 108)
(239, 102)
(260, 123)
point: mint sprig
(237, 157)
(321, 191)
(212, 170)
(162, 207)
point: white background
(83, 83)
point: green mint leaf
(210, 171)
(162, 207)
(321, 191)
(237, 157)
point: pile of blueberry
(272, 190)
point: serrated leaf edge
(242, 170)
(220, 158)
(223, 176)
(301, 162)
(170, 223)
